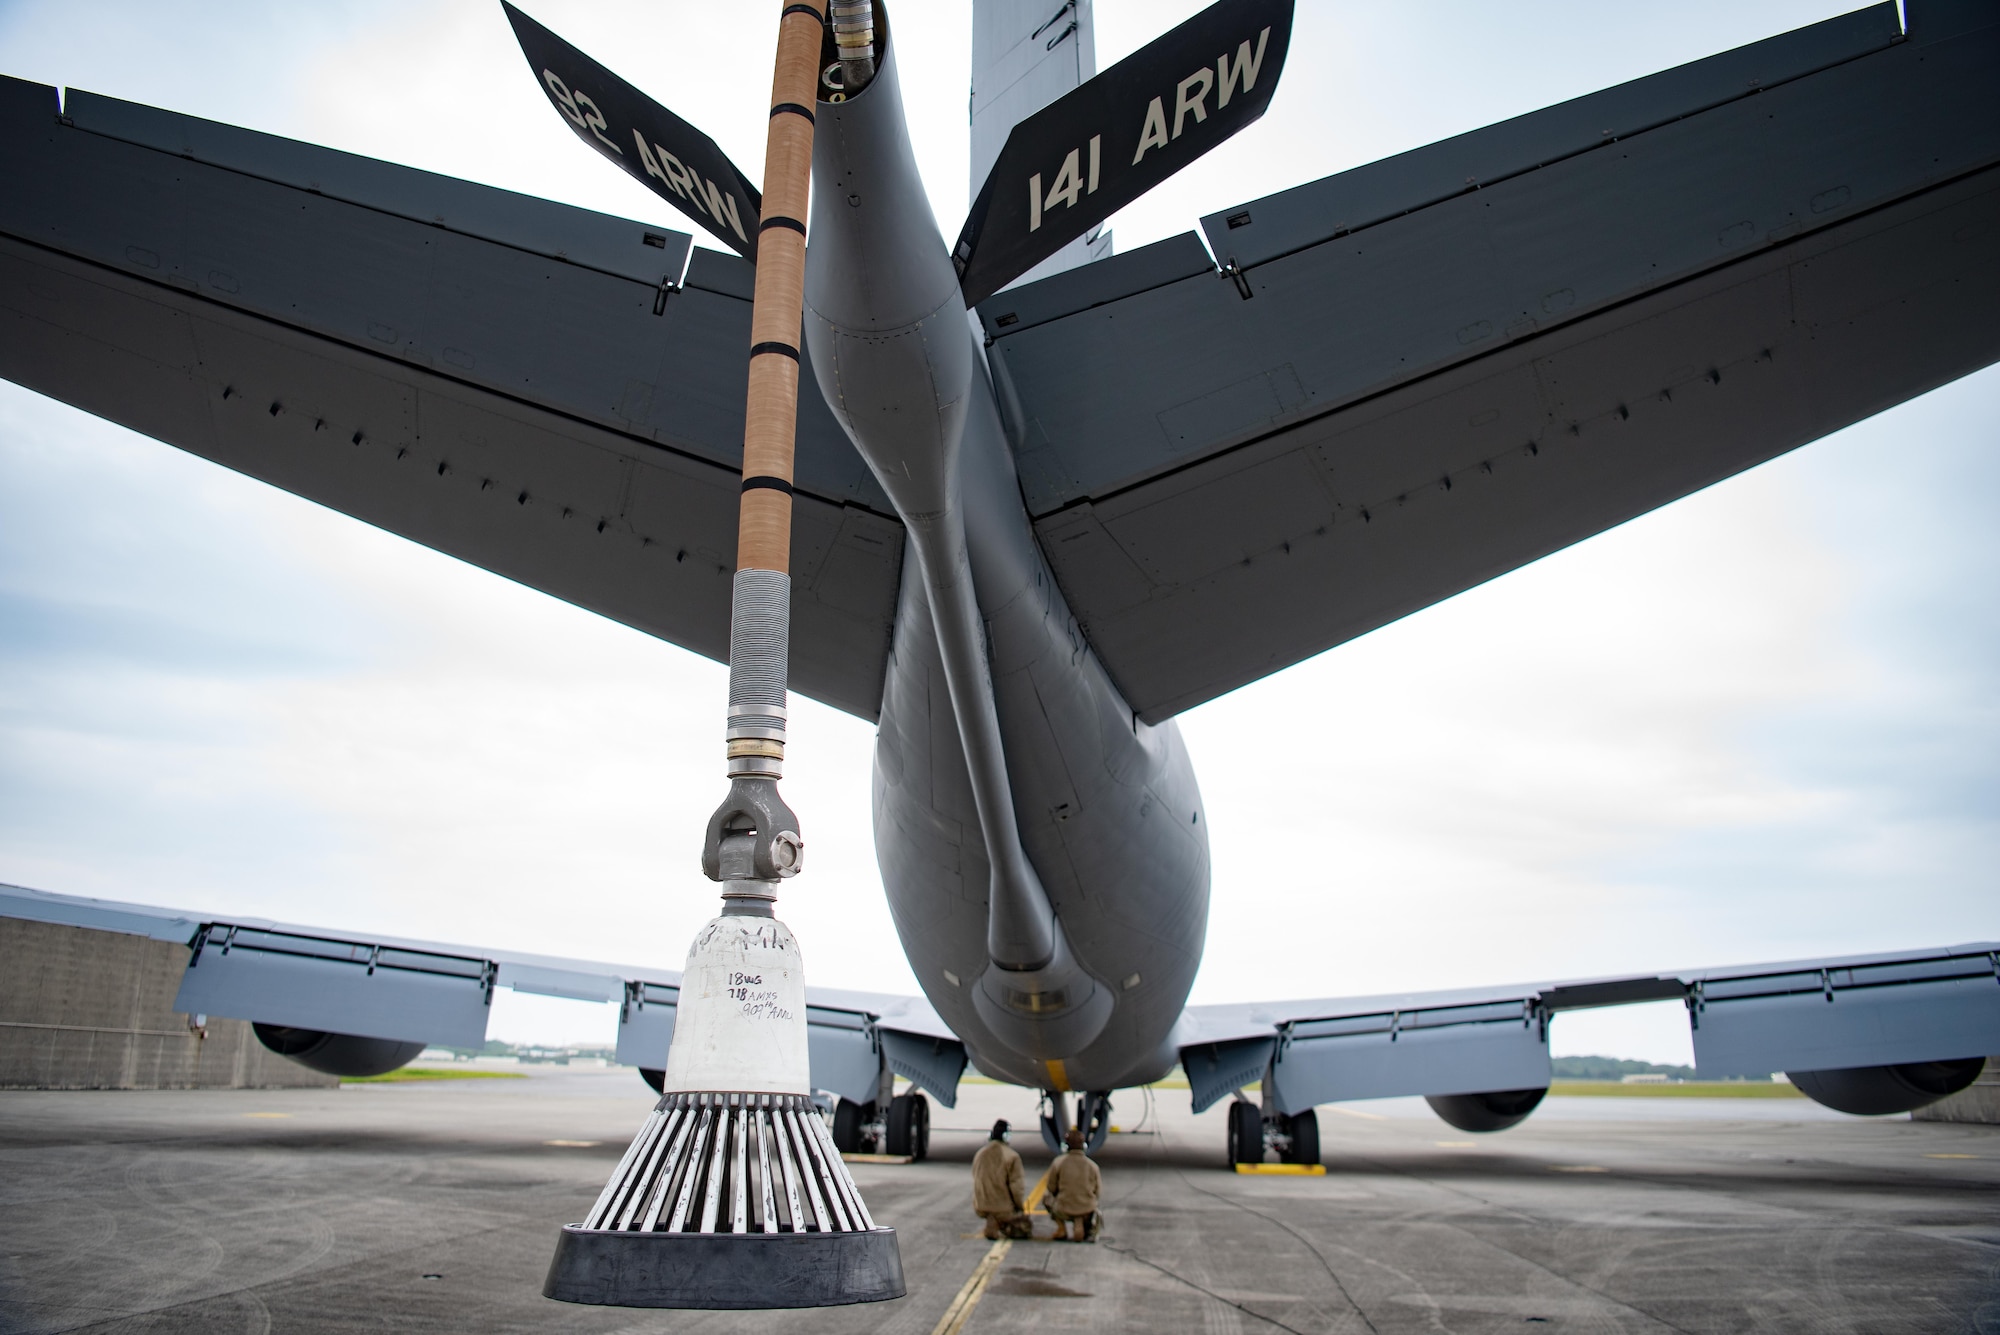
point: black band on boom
(759, 349)
(801, 9)
(766, 483)
(780, 220)
(795, 109)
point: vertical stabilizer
(1025, 55)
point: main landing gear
(1252, 1134)
(903, 1127)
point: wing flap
(1941, 1007)
(646, 1024)
(1438, 1050)
(1748, 1020)
(336, 986)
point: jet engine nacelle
(1870, 1091)
(337, 1054)
(1486, 1112)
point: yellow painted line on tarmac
(267, 1114)
(1577, 1168)
(1283, 1169)
(877, 1158)
(954, 1318)
(1033, 1205)
(1356, 1112)
(1951, 1156)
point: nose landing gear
(1093, 1114)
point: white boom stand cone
(732, 1194)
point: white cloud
(1755, 724)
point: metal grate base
(728, 1200)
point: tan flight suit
(1073, 1186)
(999, 1190)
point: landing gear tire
(909, 1130)
(655, 1080)
(1304, 1131)
(848, 1120)
(1246, 1133)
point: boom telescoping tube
(753, 837)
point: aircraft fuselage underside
(1044, 851)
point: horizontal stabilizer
(1086, 155)
(1392, 394)
(656, 148)
(548, 393)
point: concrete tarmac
(433, 1208)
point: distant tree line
(498, 1048)
(1612, 1068)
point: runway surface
(433, 1207)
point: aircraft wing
(552, 394)
(376, 986)
(1415, 376)
(1748, 1020)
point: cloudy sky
(1758, 724)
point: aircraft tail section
(656, 148)
(1025, 55)
(1066, 169)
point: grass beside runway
(1175, 1081)
(408, 1073)
(1686, 1089)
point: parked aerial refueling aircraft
(1049, 497)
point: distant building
(85, 1009)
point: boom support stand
(732, 1194)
